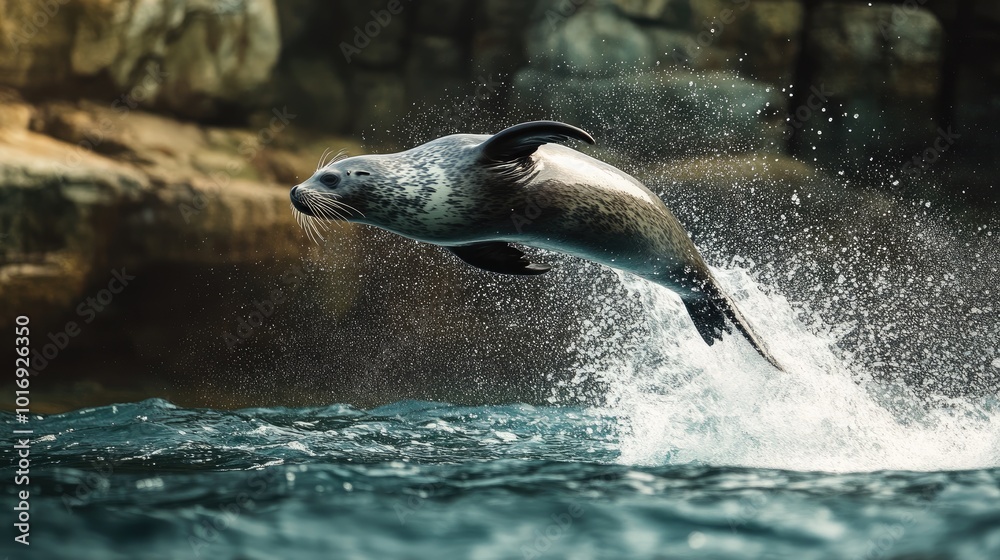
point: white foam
(680, 401)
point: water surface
(692, 452)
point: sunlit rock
(195, 58)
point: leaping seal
(464, 192)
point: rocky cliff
(157, 140)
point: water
(883, 441)
(693, 452)
(419, 480)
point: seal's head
(406, 193)
(453, 190)
(416, 193)
(333, 193)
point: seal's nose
(296, 195)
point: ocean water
(692, 452)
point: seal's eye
(329, 179)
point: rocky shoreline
(158, 140)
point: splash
(886, 317)
(680, 401)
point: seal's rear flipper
(523, 139)
(497, 256)
(712, 316)
(708, 318)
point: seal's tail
(715, 311)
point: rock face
(160, 138)
(195, 183)
(95, 184)
(598, 68)
(194, 58)
(658, 115)
(221, 283)
(589, 42)
(87, 192)
(886, 71)
(362, 69)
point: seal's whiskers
(338, 204)
(333, 157)
(325, 207)
(342, 154)
(310, 225)
(322, 157)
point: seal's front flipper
(708, 317)
(523, 139)
(497, 256)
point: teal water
(689, 452)
(426, 480)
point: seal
(470, 194)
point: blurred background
(841, 151)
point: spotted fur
(442, 192)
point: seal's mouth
(298, 205)
(312, 211)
